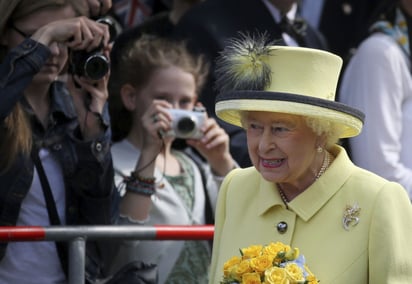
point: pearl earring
(319, 149)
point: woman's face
(172, 84)
(28, 25)
(281, 147)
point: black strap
(51, 208)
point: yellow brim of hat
(230, 111)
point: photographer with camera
(55, 159)
(153, 103)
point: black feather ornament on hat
(244, 65)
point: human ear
(321, 141)
(129, 97)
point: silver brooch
(351, 216)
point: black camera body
(186, 124)
(93, 64)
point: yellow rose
(276, 275)
(242, 268)
(251, 278)
(228, 265)
(295, 272)
(275, 248)
(252, 251)
(292, 254)
(261, 263)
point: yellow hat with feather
(254, 75)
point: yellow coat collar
(306, 204)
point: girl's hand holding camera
(156, 121)
(214, 146)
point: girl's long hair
(16, 137)
(15, 130)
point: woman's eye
(279, 129)
(254, 126)
(254, 129)
(185, 103)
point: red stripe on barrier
(22, 233)
(165, 232)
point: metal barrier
(78, 235)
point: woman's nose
(267, 141)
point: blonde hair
(16, 137)
(136, 65)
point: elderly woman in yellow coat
(351, 225)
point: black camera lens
(96, 66)
(185, 125)
(93, 65)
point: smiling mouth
(272, 163)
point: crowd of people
(248, 115)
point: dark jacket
(86, 166)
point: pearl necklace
(283, 196)
(323, 168)
(325, 165)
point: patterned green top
(192, 266)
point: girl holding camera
(55, 162)
(163, 184)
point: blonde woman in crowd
(55, 160)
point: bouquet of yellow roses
(275, 263)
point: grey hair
(319, 127)
(324, 127)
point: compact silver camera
(186, 124)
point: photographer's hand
(214, 146)
(89, 101)
(156, 120)
(99, 8)
(79, 33)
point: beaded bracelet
(140, 190)
(149, 180)
(140, 185)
